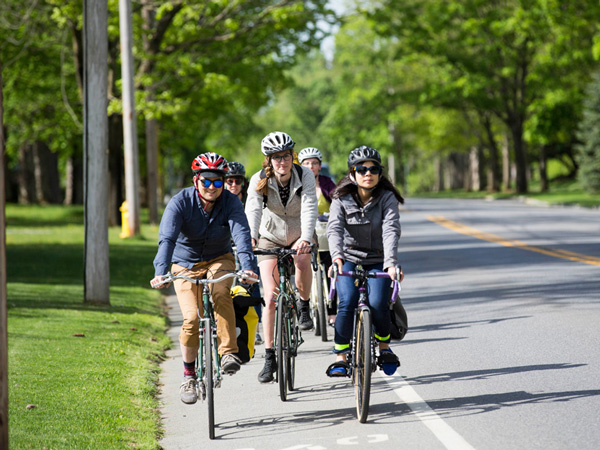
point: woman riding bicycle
(282, 211)
(312, 158)
(364, 228)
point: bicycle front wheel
(207, 378)
(363, 363)
(322, 316)
(293, 343)
(282, 344)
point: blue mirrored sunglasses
(216, 183)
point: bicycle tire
(294, 338)
(281, 349)
(363, 364)
(208, 378)
(314, 303)
(322, 317)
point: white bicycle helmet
(309, 152)
(276, 142)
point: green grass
(560, 193)
(92, 392)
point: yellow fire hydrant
(124, 220)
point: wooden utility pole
(95, 137)
(3, 299)
(132, 183)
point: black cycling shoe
(305, 322)
(266, 375)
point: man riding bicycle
(195, 236)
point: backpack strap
(263, 175)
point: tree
(588, 152)
(499, 56)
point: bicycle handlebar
(278, 251)
(169, 277)
(362, 274)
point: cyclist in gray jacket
(364, 228)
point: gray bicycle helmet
(236, 169)
(362, 154)
(309, 152)
(276, 142)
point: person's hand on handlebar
(392, 273)
(338, 263)
(249, 274)
(302, 246)
(156, 282)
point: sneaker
(230, 363)
(188, 391)
(258, 340)
(266, 375)
(305, 322)
(388, 361)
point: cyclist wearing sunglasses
(282, 211)
(195, 237)
(364, 228)
(236, 181)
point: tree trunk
(520, 157)
(493, 178)
(543, 169)
(439, 174)
(115, 155)
(47, 179)
(96, 253)
(506, 164)
(3, 295)
(474, 170)
(25, 176)
(152, 169)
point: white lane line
(445, 434)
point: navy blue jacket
(188, 235)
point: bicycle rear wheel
(363, 364)
(207, 378)
(282, 344)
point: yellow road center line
(470, 231)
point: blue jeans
(379, 297)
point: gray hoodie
(283, 224)
(365, 235)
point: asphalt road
(502, 353)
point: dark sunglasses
(362, 170)
(216, 183)
(233, 181)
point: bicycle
(362, 358)
(208, 361)
(287, 334)
(319, 296)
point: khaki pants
(190, 302)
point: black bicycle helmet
(276, 142)
(236, 169)
(362, 154)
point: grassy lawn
(91, 371)
(564, 193)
